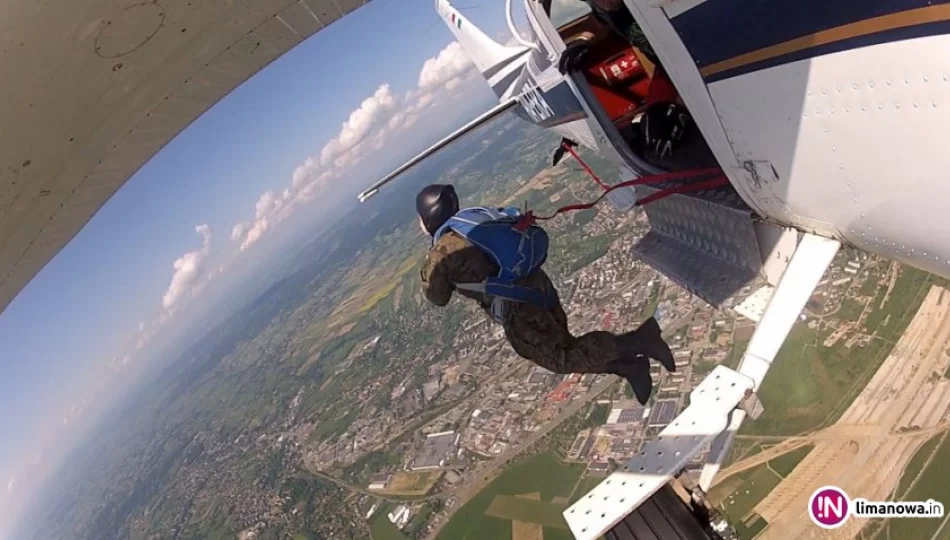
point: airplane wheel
(663, 516)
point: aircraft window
(567, 11)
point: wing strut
(485, 117)
(809, 262)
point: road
(870, 459)
(833, 433)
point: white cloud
(303, 172)
(449, 64)
(255, 233)
(396, 120)
(374, 122)
(187, 269)
(11, 484)
(309, 190)
(371, 112)
(267, 204)
(424, 101)
(238, 232)
(265, 211)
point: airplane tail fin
(496, 62)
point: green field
(735, 354)
(585, 486)
(740, 450)
(557, 534)
(905, 299)
(850, 310)
(804, 385)
(512, 508)
(747, 532)
(934, 483)
(738, 495)
(383, 529)
(544, 474)
(810, 386)
(916, 463)
(784, 464)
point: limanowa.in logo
(830, 507)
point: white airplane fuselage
(828, 118)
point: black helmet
(435, 204)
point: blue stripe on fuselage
(896, 34)
(717, 30)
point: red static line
(584, 166)
(718, 180)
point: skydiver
(479, 253)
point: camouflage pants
(542, 336)
(638, 39)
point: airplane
(827, 119)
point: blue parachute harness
(517, 251)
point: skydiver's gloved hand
(662, 127)
(561, 149)
(572, 56)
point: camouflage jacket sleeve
(452, 260)
(435, 274)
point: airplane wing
(101, 86)
(485, 117)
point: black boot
(646, 340)
(637, 372)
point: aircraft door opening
(623, 83)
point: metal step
(620, 493)
(704, 241)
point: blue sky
(83, 311)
